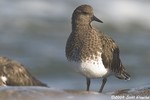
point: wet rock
(43, 93)
(143, 91)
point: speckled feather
(84, 43)
(110, 57)
(16, 74)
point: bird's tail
(123, 75)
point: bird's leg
(88, 81)
(103, 84)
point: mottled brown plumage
(13, 73)
(92, 49)
(110, 57)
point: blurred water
(34, 33)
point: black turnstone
(13, 73)
(92, 53)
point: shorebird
(93, 53)
(13, 73)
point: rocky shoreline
(44, 93)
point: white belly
(91, 68)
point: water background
(34, 32)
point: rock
(43, 93)
(142, 91)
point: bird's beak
(96, 19)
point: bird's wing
(110, 58)
(110, 54)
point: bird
(13, 73)
(92, 53)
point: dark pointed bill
(96, 19)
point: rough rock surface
(44, 93)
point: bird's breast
(91, 68)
